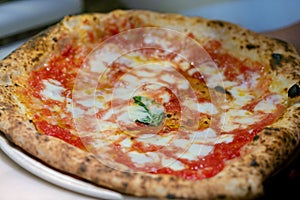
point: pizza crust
(242, 178)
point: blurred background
(20, 19)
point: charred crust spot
(54, 39)
(254, 163)
(95, 180)
(35, 59)
(42, 34)
(172, 178)
(276, 60)
(82, 167)
(37, 136)
(215, 22)
(127, 174)
(222, 90)
(284, 44)
(251, 46)
(262, 172)
(294, 91)
(8, 136)
(294, 141)
(124, 184)
(30, 121)
(256, 137)
(87, 159)
(268, 133)
(158, 179)
(171, 196)
(221, 196)
(272, 129)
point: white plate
(53, 176)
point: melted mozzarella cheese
(160, 140)
(209, 137)
(207, 108)
(167, 78)
(213, 76)
(53, 90)
(194, 151)
(172, 163)
(235, 118)
(226, 138)
(241, 95)
(280, 84)
(140, 159)
(126, 143)
(268, 105)
(165, 97)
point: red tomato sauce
(59, 132)
(63, 68)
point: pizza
(155, 104)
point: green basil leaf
(150, 112)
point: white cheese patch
(210, 137)
(241, 95)
(190, 103)
(195, 151)
(235, 118)
(183, 84)
(207, 108)
(107, 115)
(193, 71)
(125, 118)
(88, 102)
(226, 138)
(155, 139)
(140, 159)
(104, 56)
(172, 163)
(207, 136)
(53, 90)
(183, 143)
(213, 76)
(228, 84)
(254, 80)
(130, 79)
(167, 78)
(126, 143)
(268, 105)
(146, 74)
(165, 97)
(107, 126)
(102, 142)
(76, 111)
(280, 84)
(122, 93)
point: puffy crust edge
(242, 178)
